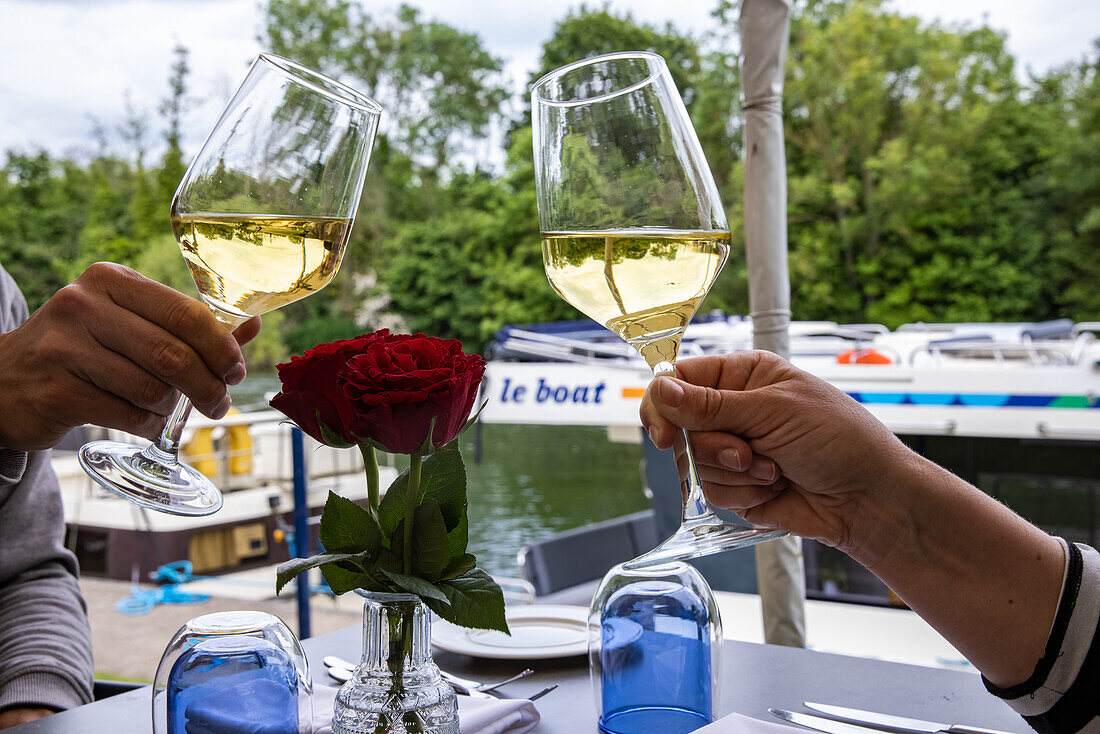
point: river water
(530, 482)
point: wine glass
(633, 230)
(262, 216)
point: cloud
(66, 60)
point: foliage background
(926, 182)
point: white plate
(539, 631)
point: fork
(341, 669)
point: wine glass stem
(165, 449)
(695, 503)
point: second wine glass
(633, 230)
(262, 217)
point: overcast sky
(64, 63)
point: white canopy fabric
(765, 33)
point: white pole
(765, 32)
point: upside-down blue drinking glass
(239, 672)
(654, 641)
(233, 685)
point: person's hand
(113, 348)
(15, 716)
(778, 446)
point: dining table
(753, 678)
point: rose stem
(370, 462)
(411, 494)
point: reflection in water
(536, 481)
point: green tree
(1066, 191)
(479, 267)
(439, 86)
(906, 145)
(585, 32)
(171, 109)
(42, 208)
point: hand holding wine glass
(113, 348)
(262, 217)
(633, 230)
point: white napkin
(475, 715)
(738, 724)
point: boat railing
(562, 348)
(828, 340)
(1086, 327)
(1053, 352)
(1053, 343)
(253, 449)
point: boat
(248, 455)
(1026, 381)
(1014, 408)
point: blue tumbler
(240, 672)
(233, 685)
(654, 641)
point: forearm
(45, 643)
(985, 578)
(45, 646)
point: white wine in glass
(245, 265)
(612, 278)
(633, 231)
(262, 217)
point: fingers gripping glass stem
(701, 531)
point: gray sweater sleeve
(45, 641)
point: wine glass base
(124, 470)
(703, 539)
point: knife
(895, 723)
(820, 723)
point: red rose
(401, 383)
(382, 388)
(311, 393)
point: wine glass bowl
(610, 277)
(262, 217)
(634, 233)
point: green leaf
(348, 528)
(342, 580)
(389, 559)
(331, 437)
(416, 585)
(295, 566)
(443, 480)
(442, 477)
(459, 538)
(459, 566)
(475, 601)
(430, 548)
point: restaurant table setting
(244, 672)
(756, 677)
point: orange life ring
(863, 356)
